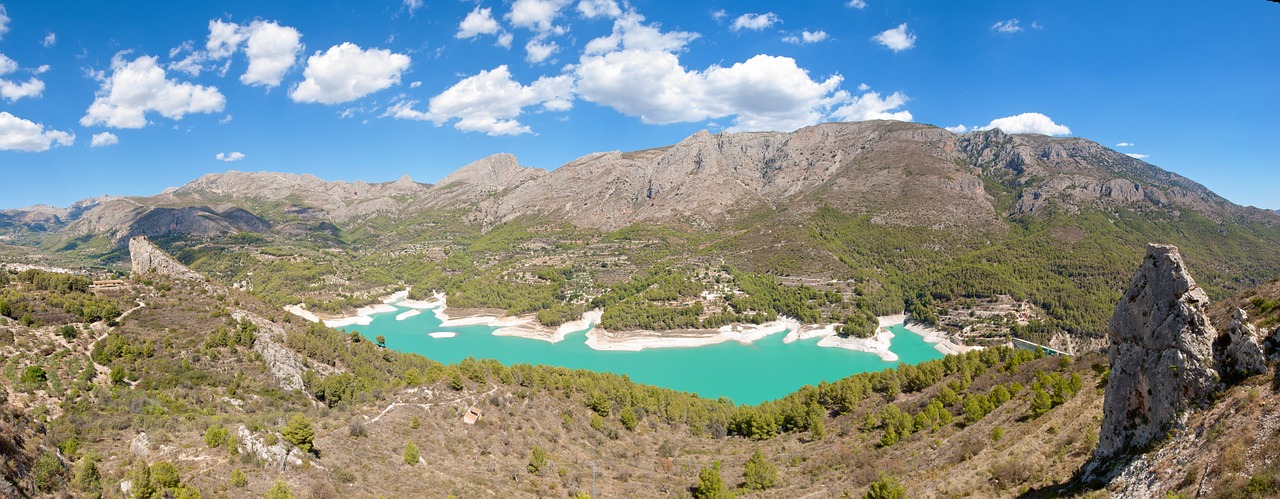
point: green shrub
(537, 460)
(216, 435)
(760, 474)
(886, 487)
(411, 454)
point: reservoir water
(765, 370)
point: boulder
(1237, 351)
(1161, 355)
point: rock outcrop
(1161, 355)
(147, 258)
(1237, 351)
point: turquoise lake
(765, 370)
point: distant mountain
(900, 174)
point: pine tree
(300, 433)
(760, 474)
(411, 454)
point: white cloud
(415, 84)
(272, 49)
(225, 119)
(538, 51)
(13, 90)
(754, 21)
(490, 102)
(504, 39)
(50, 39)
(806, 37)
(17, 134)
(1007, 26)
(1028, 123)
(1137, 156)
(719, 15)
(897, 39)
(956, 129)
(870, 106)
(104, 139)
(4, 22)
(346, 72)
(412, 5)
(537, 15)
(229, 157)
(139, 86)
(592, 9)
(636, 71)
(856, 4)
(478, 22)
(1125, 144)
(863, 87)
(224, 39)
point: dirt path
(104, 330)
(428, 406)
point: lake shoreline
(597, 338)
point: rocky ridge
(1237, 351)
(147, 258)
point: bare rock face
(147, 258)
(1161, 355)
(1237, 351)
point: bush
(300, 433)
(238, 479)
(629, 418)
(356, 429)
(49, 474)
(216, 435)
(164, 475)
(760, 474)
(537, 460)
(886, 487)
(710, 485)
(279, 491)
(88, 479)
(411, 454)
(35, 375)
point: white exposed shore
(407, 314)
(634, 341)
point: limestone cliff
(1160, 352)
(147, 258)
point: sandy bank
(530, 328)
(407, 314)
(436, 301)
(442, 334)
(941, 341)
(877, 344)
(634, 341)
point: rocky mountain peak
(492, 173)
(1160, 352)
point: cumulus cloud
(956, 129)
(1137, 156)
(17, 134)
(592, 9)
(504, 39)
(229, 156)
(1125, 144)
(104, 139)
(1028, 123)
(636, 71)
(896, 39)
(806, 37)
(50, 39)
(537, 15)
(347, 72)
(856, 4)
(140, 86)
(1009, 26)
(755, 22)
(490, 102)
(272, 50)
(479, 22)
(537, 50)
(4, 21)
(870, 106)
(14, 90)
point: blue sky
(128, 98)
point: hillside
(1047, 227)
(176, 383)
